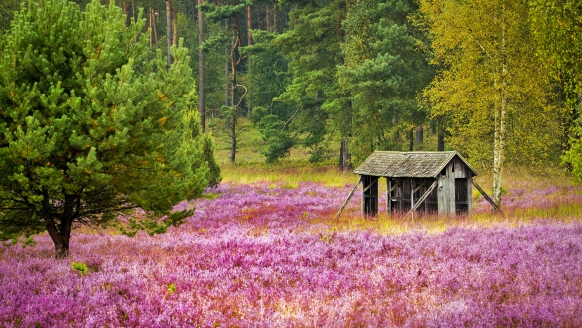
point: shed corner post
(388, 196)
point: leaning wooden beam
(419, 186)
(495, 207)
(422, 199)
(393, 187)
(368, 187)
(348, 199)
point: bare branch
(290, 118)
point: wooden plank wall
(446, 190)
(456, 169)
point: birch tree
(492, 88)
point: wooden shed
(427, 182)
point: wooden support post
(422, 199)
(389, 189)
(348, 199)
(412, 185)
(495, 207)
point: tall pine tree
(93, 125)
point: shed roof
(418, 164)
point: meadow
(263, 249)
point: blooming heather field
(265, 254)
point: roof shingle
(407, 164)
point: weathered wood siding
(408, 177)
(400, 196)
(446, 190)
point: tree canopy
(93, 125)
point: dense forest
(497, 80)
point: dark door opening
(461, 197)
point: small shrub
(80, 266)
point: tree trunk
(233, 104)
(275, 17)
(500, 112)
(151, 27)
(500, 117)
(60, 235)
(419, 135)
(175, 28)
(268, 17)
(411, 139)
(395, 135)
(154, 24)
(234, 62)
(344, 160)
(126, 12)
(441, 135)
(201, 93)
(249, 42)
(169, 32)
(227, 78)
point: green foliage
(7, 9)
(279, 142)
(384, 69)
(171, 288)
(558, 26)
(313, 50)
(494, 96)
(92, 124)
(80, 266)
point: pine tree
(383, 71)
(93, 125)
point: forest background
(331, 81)
(499, 81)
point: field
(263, 249)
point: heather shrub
(265, 255)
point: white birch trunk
(500, 117)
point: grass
(289, 173)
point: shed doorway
(370, 201)
(461, 197)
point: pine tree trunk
(233, 118)
(344, 160)
(234, 62)
(169, 32)
(175, 28)
(154, 24)
(126, 12)
(227, 78)
(201, 93)
(60, 235)
(249, 42)
(268, 17)
(151, 27)
(275, 18)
